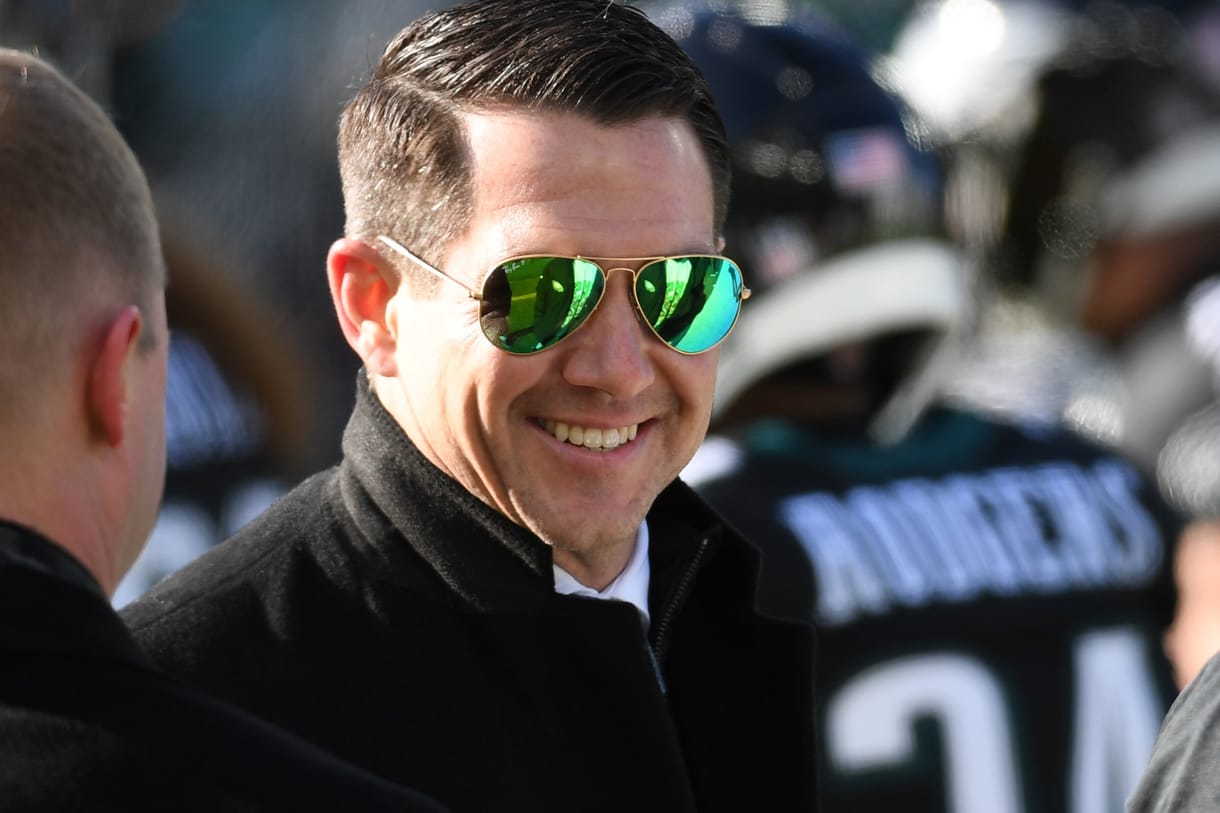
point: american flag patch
(861, 160)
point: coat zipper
(675, 604)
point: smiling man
(572, 443)
(503, 595)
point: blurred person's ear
(361, 293)
(106, 399)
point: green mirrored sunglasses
(528, 304)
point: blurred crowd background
(1081, 143)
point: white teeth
(592, 437)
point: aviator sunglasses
(528, 304)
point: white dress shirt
(631, 585)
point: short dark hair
(76, 215)
(402, 152)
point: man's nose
(613, 350)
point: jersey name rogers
(908, 543)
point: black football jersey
(989, 600)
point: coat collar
(398, 499)
(405, 507)
(53, 606)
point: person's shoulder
(1181, 773)
(1199, 703)
(51, 762)
(118, 745)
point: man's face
(547, 183)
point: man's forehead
(554, 183)
(539, 136)
(524, 155)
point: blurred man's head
(835, 217)
(1115, 200)
(83, 338)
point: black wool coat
(87, 723)
(385, 613)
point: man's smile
(591, 437)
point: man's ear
(359, 288)
(106, 398)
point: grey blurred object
(1189, 464)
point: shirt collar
(631, 585)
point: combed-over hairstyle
(402, 152)
(76, 216)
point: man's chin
(595, 532)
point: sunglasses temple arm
(404, 251)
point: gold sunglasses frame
(640, 262)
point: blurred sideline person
(503, 595)
(1102, 126)
(86, 721)
(1114, 226)
(989, 596)
(1112, 239)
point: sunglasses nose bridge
(613, 268)
(635, 276)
